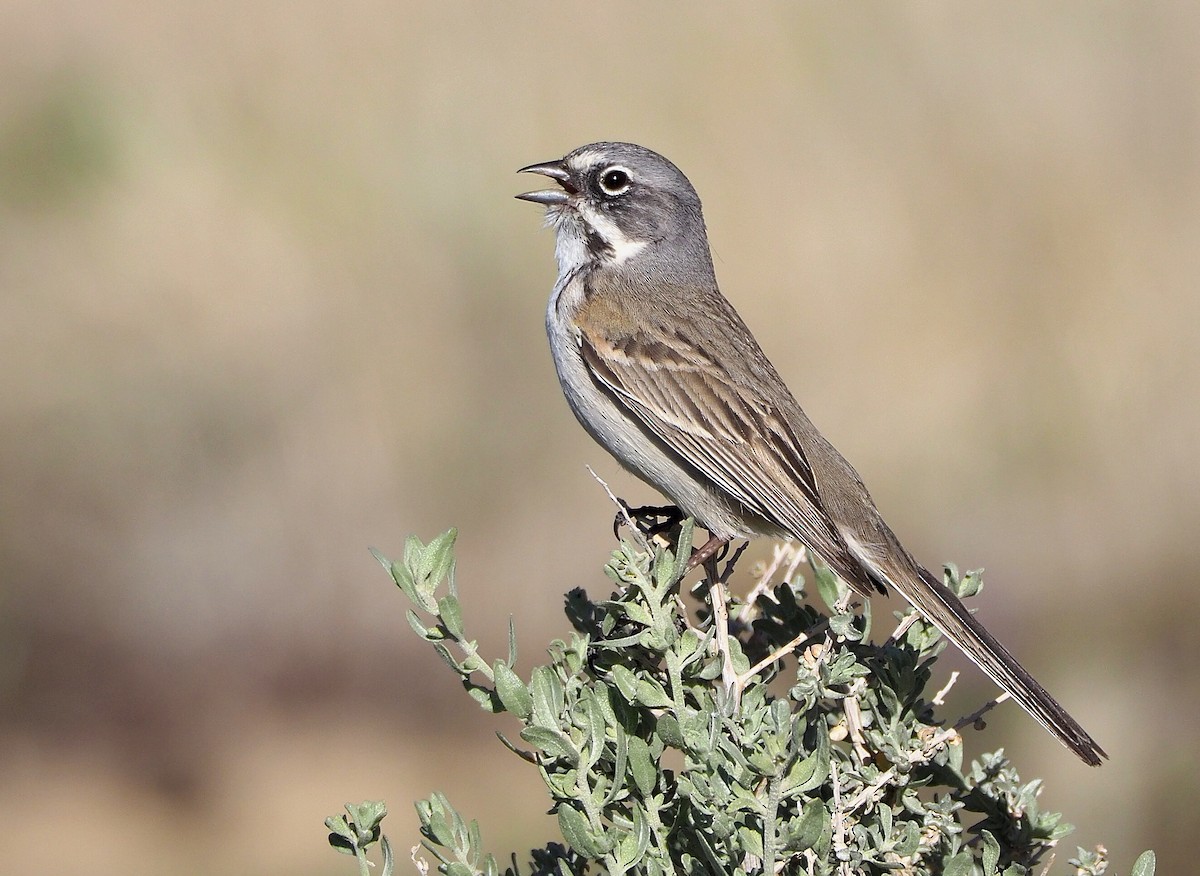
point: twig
(732, 561)
(802, 639)
(915, 757)
(883, 779)
(794, 553)
(1049, 864)
(939, 699)
(799, 555)
(622, 509)
(683, 613)
(839, 820)
(972, 718)
(854, 722)
(903, 627)
(780, 550)
(720, 618)
(700, 556)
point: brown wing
(737, 438)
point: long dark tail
(946, 612)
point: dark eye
(615, 181)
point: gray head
(618, 202)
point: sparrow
(663, 373)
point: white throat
(572, 223)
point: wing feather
(740, 441)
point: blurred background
(266, 300)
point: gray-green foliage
(355, 832)
(832, 762)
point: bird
(660, 370)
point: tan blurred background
(266, 300)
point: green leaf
(911, 841)
(761, 762)
(811, 771)
(608, 699)
(637, 613)
(620, 759)
(842, 626)
(404, 579)
(512, 691)
(652, 694)
(424, 568)
(552, 742)
(697, 732)
(578, 833)
(723, 826)
(547, 694)
(389, 858)
(668, 731)
(750, 840)
(683, 548)
(885, 820)
(367, 815)
(410, 577)
(1144, 865)
(991, 853)
(626, 682)
(381, 559)
(438, 560)
(458, 868)
(439, 829)
(419, 628)
(450, 613)
(641, 765)
(961, 864)
(337, 825)
(594, 716)
(633, 845)
(445, 654)
(806, 831)
(971, 584)
(1061, 830)
(829, 586)
(527, 756)
(486, 697)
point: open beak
(557, 172)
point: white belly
(618, 433)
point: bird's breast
(618, 431)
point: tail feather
(946, 612)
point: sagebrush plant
(831, 762)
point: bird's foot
(650, 520)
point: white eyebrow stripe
(588, 159)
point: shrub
(836, 765)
